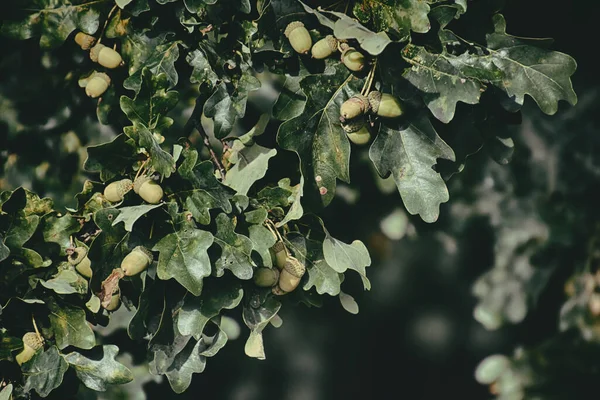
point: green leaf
(67, 281)
(316, 135)
(250, 164)
(341, 256)
(408, 152)
(111, 158)
(225, 108)
(128, 215)
(257, 318)
(235, 249)
(291, 100)
(58, 229)
(442, 83)
(540, 73)
(6, 392)
(262, 240)
(397, 16)
(257, 216)
(185, 363)
(295, 211)
(109, 247)
(70, 326)
(160, 160)
(44, 372)
(98, 374)
(54, 21)
(217, 294)
(8, 344)
(348, 303)
(4, 251)
(183, 256)
(202, 68)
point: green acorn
(324, 47)
(357, 131)
(266, 277)
(280, 254)
(291, 274)
(353, 59)
(105, 56)
(385, 105)
(298, 36)
(136, 261)
(115, 191)
(31, 344)
(97, 85)
(148, 189)
(84, 40)
(115, 300)
(354, 106)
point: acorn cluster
(97, 83)
(287, 274)
(146, 187)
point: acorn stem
(369, 81)
(108, 18)
(275, 232)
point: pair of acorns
(136, 261)
(144, 186)
(352, 113)
(286, 277)
(98, 82)
(301, 42)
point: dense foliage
(200, 190)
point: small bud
(116, 191)
(298, 36)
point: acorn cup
(97, 85)
(31, 344)
(354, 106)
(279, 253)
(385, 105)
(136, 261)
(357, 131)
(324, 47)
(148, 189)
(105, 56)
(84, 40)
(80, 260)
(116, 191)
(353, 59)
(266, 277)
(290, 275)
(298, 36)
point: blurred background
(415, 336)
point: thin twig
(112, 10)
(194, 123)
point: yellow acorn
(136, 261)
(115, 191)
(324, 47)
(31, 344)
(357, 131)
(385, 105)
(298, 36)
(84, 40)
(97, 85)
(354, 106)
(266, 277)
(115, 300)
(148, 189)
(280, 254)
(105, 56)
(353, 59)
(291, 274)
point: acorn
(298, 36)
(266, 277)
(148, 189)
(115, 300)
(290, 275)
(491, 368)
(385, 105)
(117, 190)
(31, 344)
(280, 254)
(97, 85)
(80, 260)
(357, 131)
(353, 59)
(136, 261)
(105, 56)
(354, 106)
(324, 47)
(84, 40)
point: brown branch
(195, 123)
